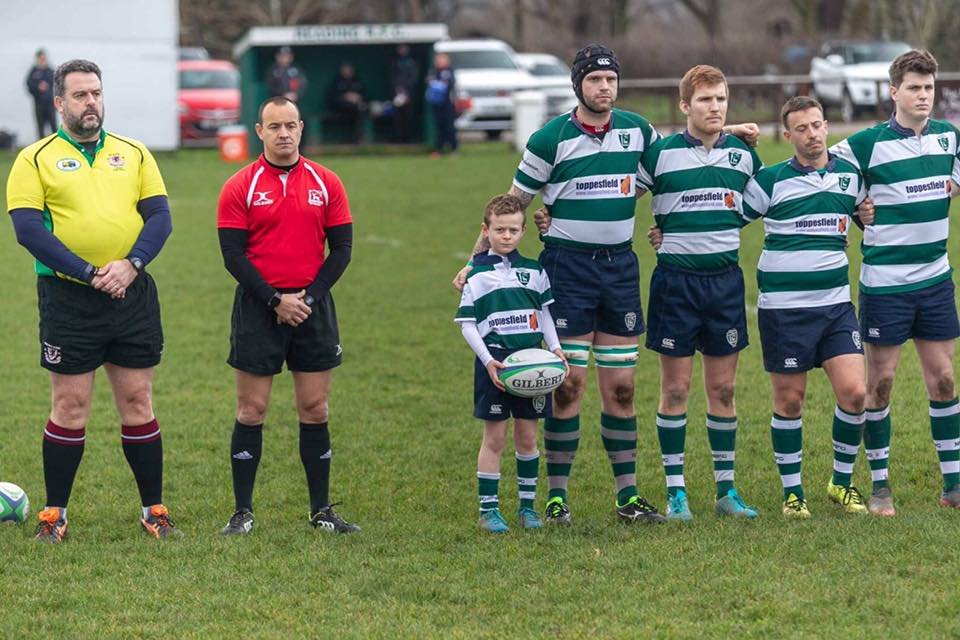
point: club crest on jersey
(944, 143)
(733, 336)
(624, 139)
(523, 277)
(263, 198)
(539, 403)
(844, 182)
(68, 164)
(734, 157)
(315, 197)
(116, 161)
(51, 354)
(857, 342)
(630, 320)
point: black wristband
(274, 300)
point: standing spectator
(441, 92)
(284, 79)
(404, 76)
(346, 99)
(40, 86)
(92, 208)
(275, 218)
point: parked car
(551, 76)
(209, 97)
(854, 76)
(487, 77)
(193, 53)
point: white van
(487, 77)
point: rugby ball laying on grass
(14, 505)
(532, 372)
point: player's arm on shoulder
(749, 132)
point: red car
(209, 97)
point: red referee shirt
(286, 215)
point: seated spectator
(347, 104)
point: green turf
(404, 463)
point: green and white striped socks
(722, 434)
(528, 466)
(847, 432)
(876, 442)
(561, 437)
(945, 429)
(487, 489)
(672, 433)
(619, 437)
(787, 436)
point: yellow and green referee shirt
(88, 201)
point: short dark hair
(503, 205)
(916, 60)
(279, 101)
(72, 66)
(798, 103)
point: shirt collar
(696, 142)
(831, 165)
(61, 132)
(591, 131)
(274, 169)
(495, 258)
(904, 131)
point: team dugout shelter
(318, 51)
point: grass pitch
(404, 462)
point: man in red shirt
(274, 218)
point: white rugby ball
(529, 373)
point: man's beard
(79, 127)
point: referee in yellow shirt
(91, 207)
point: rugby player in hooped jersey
(696, 301)
(584, 162)
(805, 314)
(911, 168)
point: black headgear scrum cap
(593, 57)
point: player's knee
(622, 395)
(250, 411)
(70, 412)
(314, 412)
(136, 403)
(494, 442)
(722, 394)
(880, 393)
(569, 393)
(674, 396)
(853, 397)
(946, 388)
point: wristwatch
(274, 300)
(308, 300)
(137, 264)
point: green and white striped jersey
(697, 198)
(588, 182)
(502, 296)
(805, 217)
(908, 179)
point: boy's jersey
(805, 217)
(588, 181)
(697, 198)
(908, 179)
(502, 296)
